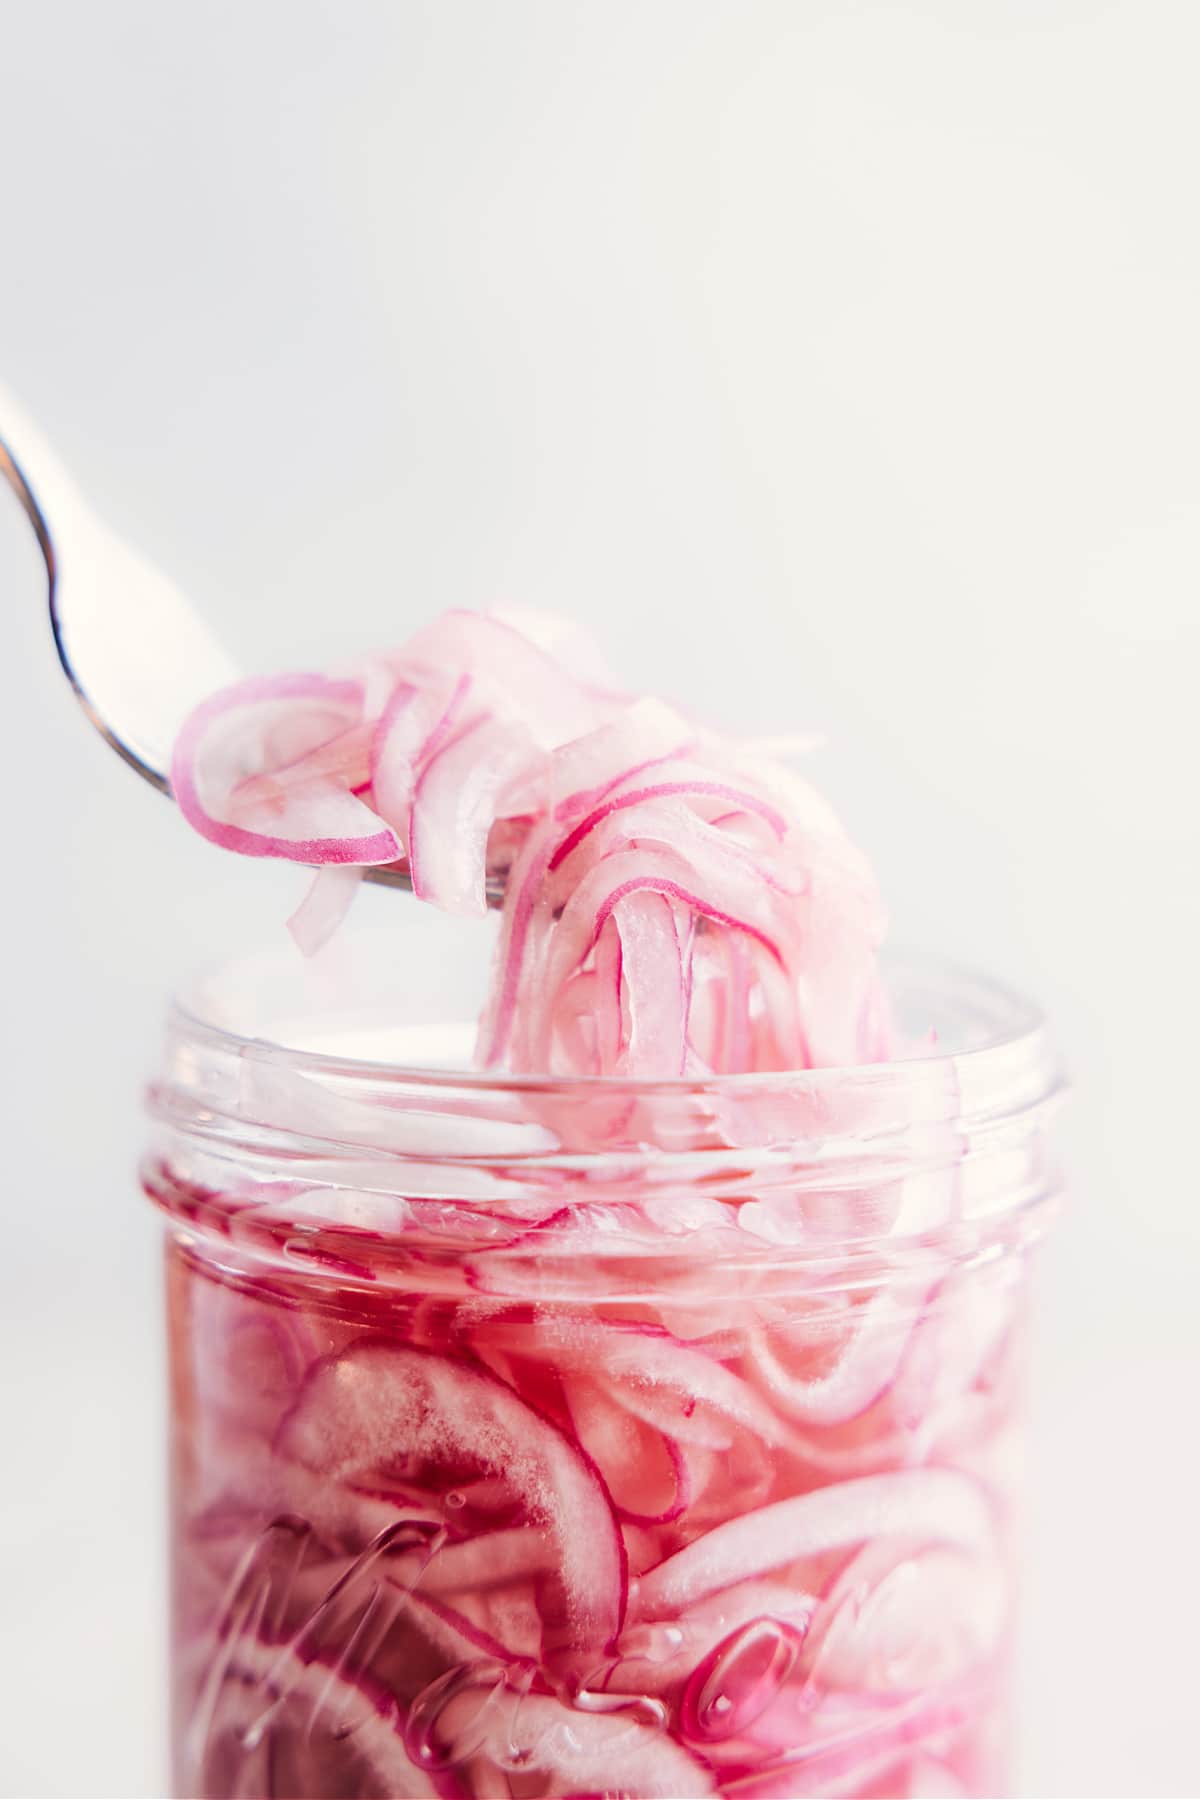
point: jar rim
(950, 1144)
(1005, 1064)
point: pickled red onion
(356, 1409)
(259, 729)
(938, 1506)
(745, 924)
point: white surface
(840, 363)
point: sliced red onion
(667, 790)
(966, 1319)
(491, 1559)
(564, 1749)
(647, 1472)
(937, 1506)
(639, 737)
(473, 751)
(651, 965)
(458, 1636)
(660, 1657)
(410, 728)
(877, 1333)
(517, 928)
(511, 676)
(279, 1725)
(253, 728)
(676, 1388)
(904, 1616)
(737, 1056)
(856, 1748)
(375, 1402)
(568, 941)
(328, 899)
(340, 761)
(455, 802)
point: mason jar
(590, 1437)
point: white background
(840, 364)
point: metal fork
(136, 654)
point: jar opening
(397, 1005)
(259, 1105)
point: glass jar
(543, 1437)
